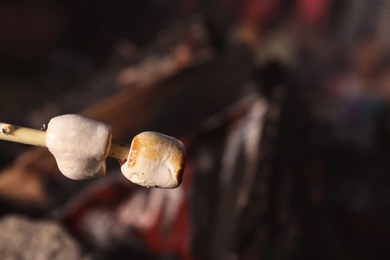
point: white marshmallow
(80, 145)
(155, 160)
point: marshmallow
(155, 160)
(80, 145)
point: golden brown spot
(133, 152)
(182, 164)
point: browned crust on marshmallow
(183, 160)
(155, 144)
(133, 152)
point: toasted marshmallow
(80, 145)
(155, 160)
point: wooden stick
(24, 135)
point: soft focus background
(283, 107)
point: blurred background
(283, 107)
